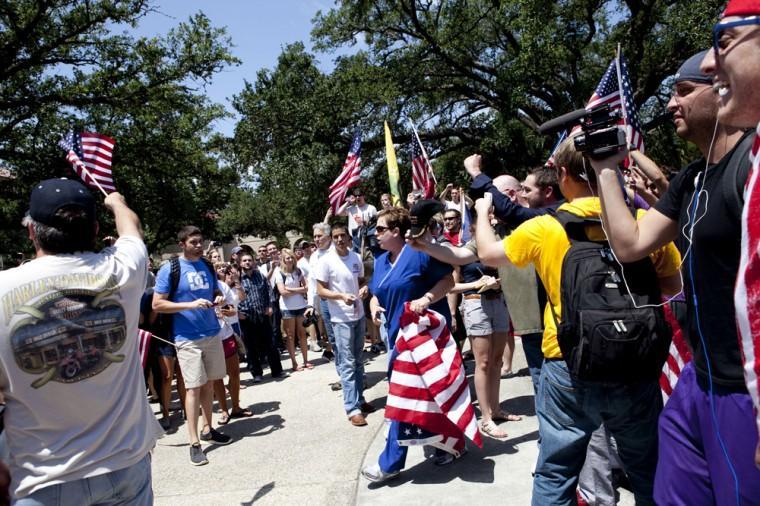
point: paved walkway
(298, 448)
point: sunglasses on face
(719, 28)
(381, 229)
(449, 218)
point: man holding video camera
(340, 281)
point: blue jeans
(349, 344)
(324, 311)
(569, 410)
(128, 486)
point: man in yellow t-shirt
(569, 410)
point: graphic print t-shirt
(69, 367)
(195, 282)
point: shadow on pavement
(259, 494)
(523, 405)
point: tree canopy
(465, 71)
(64, 65)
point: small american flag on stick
(89, 154)
(349, 176)
(143, 343)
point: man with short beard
(254, 313)
(707, 434)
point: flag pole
(105, 193)
(628, 133)
(424, 153)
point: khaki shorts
(201, 361)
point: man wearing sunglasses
(735, 66)
(706, 430)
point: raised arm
(630, 238)
(490, 247)
(127, 222)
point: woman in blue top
(401, 275)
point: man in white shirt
(323, 241)
(76, 416)
(340, 280)
(359, 215)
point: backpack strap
(174, 273)
(735, 177)
(575, 226)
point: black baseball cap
(421, 213)
(51, 195)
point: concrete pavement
(300, 448)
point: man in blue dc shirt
(188, 296)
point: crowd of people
(594, 263)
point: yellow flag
(390, 155)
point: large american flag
(90, 151)
(609, 92)
(428, 385)
(747, 291)
(349, 176)
(423, 178)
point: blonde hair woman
(291, 284)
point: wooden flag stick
(81, 166)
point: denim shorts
(289, 314)
(483, 317)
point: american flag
(423, 178)
(349, 176)
(609, 92)
(678, 356)
(143, 343)
(428, 387)
(90, 151)
(747, 291)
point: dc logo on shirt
(197, 281)
(356, 268)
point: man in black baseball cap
(61, 217)
(420, 215)
(69, 352)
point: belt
(485, 295)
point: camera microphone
(562, 122)
(657, 121)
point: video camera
(602, 135)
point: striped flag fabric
(678, 356)
(428, 386)
(93, 152)
(349, 176)
(615, 90)
(143, 343)
(747, 290)
(423, 178)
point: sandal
(505, 417)
(309, 365)
(243, 413)
(298, 368)
(493, 430)
(224, 419)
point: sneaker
(336, 386)
(376, 475)
(446, 458)
(213, 436)
(258, 379)
(313, 346)
(328, 355)
(165, 423)
(197, 457)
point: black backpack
(603, 336)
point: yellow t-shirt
(543, 241)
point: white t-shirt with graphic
(342, 273)
(359, 215)
(69, 366)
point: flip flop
(298, 368)
(505, 417)
(309, 365)
(243, 413)
(224, 419)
